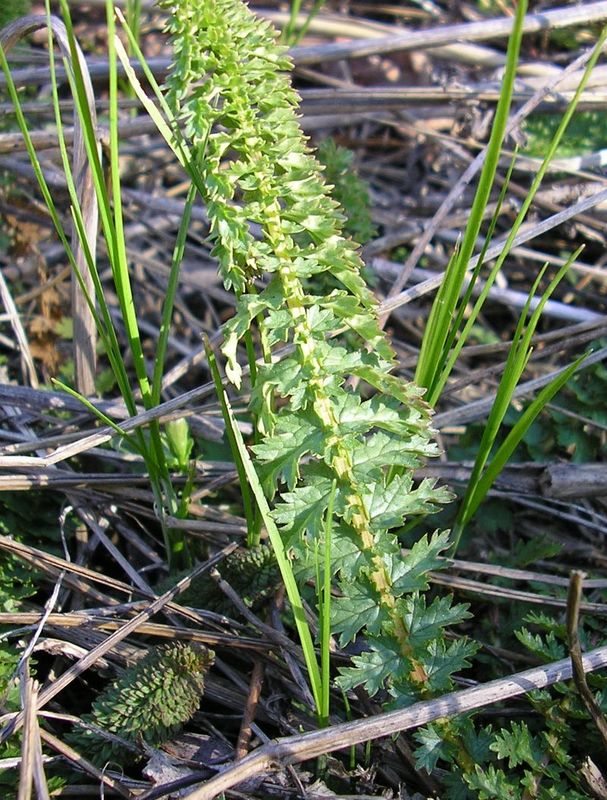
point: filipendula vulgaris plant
(274, 229)
(149, 703)
(252, 572)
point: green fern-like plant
(149, 703)
(229, 85)
(543, 754)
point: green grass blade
(169, 132)
(284, 564)
(518, 357)
(437, 326)
(429, 364)
(77, 85)
(31, 151)
(289, 31)
(452, 348)
(537, 180)
(105, 329)
(171, 291)
(90, 134)
(429, 357)
(103, 322)
(125, 294)
(110, 210)
(325, 614)
(537, 312)
(514, 438)
(249, 510)
(92, 408)
(121, 270)
(133, 15)
(515, 365)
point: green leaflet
(425, 623)
(294, 437)
(391, 505)
(359, 608)
(411, 574)
(276, 229)
(376, 668)
(381, 450)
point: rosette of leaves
(252, 572)
(544, 755)
(149, 703)
(323, 442)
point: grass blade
(171, 291)
(451, 348)
(249, 511)
(518, 357)
(430, 363)
(251, 479)
(325, 614)
(510, 444)
(120, 265)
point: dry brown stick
(44, 400)
(575, 651)
(28, 698)
(525, 235)
(473, 168)
(276, 637)
(432, 38)
(293, 749)
(555, 481)
(506, 593)
(43, 140)
(512, 298)
(594, 779)
(27, 362)
(85, 334)
(40, 783)
(567, 481)
(81, 620)
(25, 482)
(69, 753)
(52, 564)
(244, 735)
(32, 767)
(41, 559)
(447, 34)
(107, 433)
(98, 526)
(366, 99)
(518, 574)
